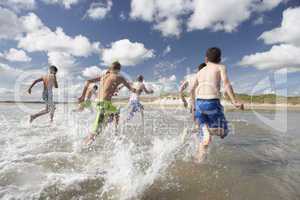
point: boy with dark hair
(134, 100)
(109, 84)
(49, 81)
(206, 99)
(214, 55)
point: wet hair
(201, 66)
(53, 68)
(140, 78)
(95, 87)
(115, 66)
(214, 55)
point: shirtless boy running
(49, 81)
(134, 100)
(87, 103)
(208, 110)
(109, 84)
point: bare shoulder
(196, 76)
(222, 66)
(44, 78)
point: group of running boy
(204, 90)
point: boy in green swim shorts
(87, 103)
(109, 84)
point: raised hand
(238, 105)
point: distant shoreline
(171, 104)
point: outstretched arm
(183, 86)
(86, 86)
(228, 88)
(118, 90)
(34, 82)
(127, 84)
(147, 91)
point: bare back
(139, 88)
(209, 81)
(48, 81)
(109, 85)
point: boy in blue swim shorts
(205, 95)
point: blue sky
(164, 40)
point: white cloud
(98, 11)
(227, 15)
(169, 27)
(142, 9)
(44, 39)
(122, 16)
(31, 22)
(286, 50)
(258, 21)
(18, 5)
(66, 3)
(61, 49)
(10, 25)
(5, 91)
(167, 79)
(92, 72)
(8, 75)
(165, 14)
(288, 32)
(32, 35)
(15, 55)
(127, 53)
(279, 56)
(218, 15)
(165, 84)
(62, 60)
(167, 50)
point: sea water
(150, 161)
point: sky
(163, 40)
